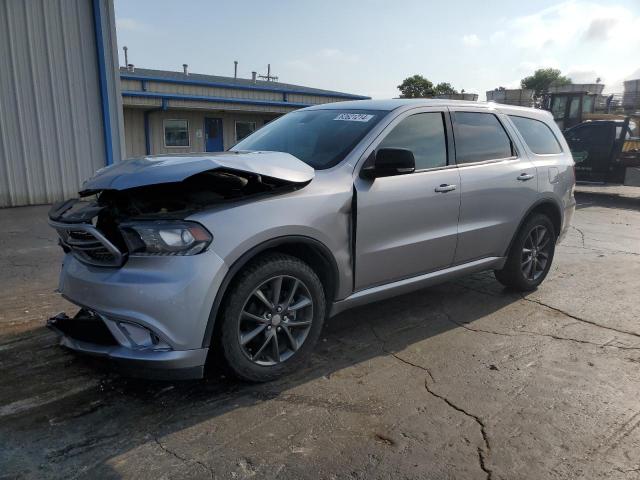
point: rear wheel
(272, 318)
(530, 256)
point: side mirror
(388, 162)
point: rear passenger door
(498, 185)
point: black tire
(242, 306)
(517, 273)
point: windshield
(320, 138)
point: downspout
(102, 77)
(147, 140)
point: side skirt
(388, 290)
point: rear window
(480, 137)
(537, 135)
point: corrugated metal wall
(51, 128)
(206, 91)
(134, 132)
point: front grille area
(88, 245)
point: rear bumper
(91, 335)
(569, 210)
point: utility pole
(268, 77)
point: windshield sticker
(354, 117)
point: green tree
(444, 88)
(543, 78)
(416, 87)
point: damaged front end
(127, 215)
(142, 272)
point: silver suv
(247, 252)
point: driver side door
(407, 225)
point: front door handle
(445, 188)
(523, 177)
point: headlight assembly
(165, 238)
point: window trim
(164, 132)
(524, 141)
(443, 116)
(514, 146)
(410, 113)
(235, 128)
(388, 123)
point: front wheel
(530, 255)
(272, 318)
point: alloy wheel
(536, 252)
(275, 320)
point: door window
(588, 134)
(537, 135)
(480, 137)
(587, 103)
(212, 128)
(574, 108)
(423, 134)
(558, 108)
(586, 141)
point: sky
(369, 47)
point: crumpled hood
(153, 170)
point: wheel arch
(547, 206)
(309, 250)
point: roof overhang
(239, 86)
(205, 98)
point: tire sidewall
(516, 251)
(249, 280)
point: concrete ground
(464, 380)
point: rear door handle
(523, 177)
(445, 188)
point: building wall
(204, 105)
(233, 93)
(51, 123)
(134, 132)
(134, 129)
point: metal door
(495, 195)
(213, 140)
(406, 225)
(592, 146)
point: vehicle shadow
(90, 415)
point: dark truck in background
(604, 147)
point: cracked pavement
(465, 380)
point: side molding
(407, 285)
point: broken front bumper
(88, 333)
(150, 316)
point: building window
(244, 129)
(176, 133)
